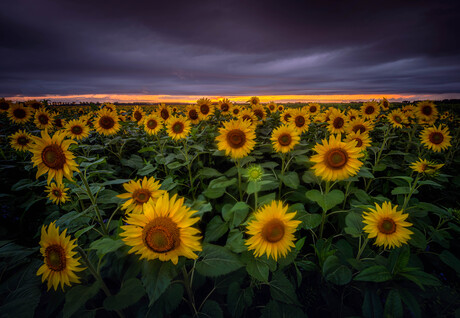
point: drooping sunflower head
(385, 104)
(4, 105)
(21, 140)
(285, 138)
(153, 124)
(254, 173)
(436, 138)
(164, 112)
(426, 167)
(336, 160)
(139, 193)
(19, 114)
(60, 261)
(272, 231)
(164, 231)
(236, 138)
(110, 106)
(178, 127)
(397, 118)
(254, 100)
(426, 111)
(259, 112)
(337, 122)
(193, 114)
(370, 110)
(52, 156)
(43, 119)
(206, 108)
(58, 122)
(387, 225)
(225, 106)
(77, 129)
(138, 114)
(299, 120)
(57, 193)
(34, 104)
(362, 139)
(107, 122)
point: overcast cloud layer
(228, 47)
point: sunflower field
(218, 209)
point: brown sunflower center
(359, 127)
(76, 130)
(57, 193)
(106, 122)
(436, 138)
(4, 105)
(161, 235)
(19, 113)
(312, 109)
(152, 124)
(397, 119)
(164, 114)
(336, 158)
(224, 107)
(359, 142)
(137, 115)
(236, 111)
(271, 107)
(273, 231)
(43, 119)
(141, 196)
(247, 117)
(36, 105)
(259, 113)
(204, 109)
(369, 110)
(280, 108)
(427, 110)
(236, 138)
(53, 157)
(352, 117)
(285, 140)
(287, 116)
(338, 123)
(58, 122)
(386, 104)
(178, 127)
(193, 114)
(23, 140)
(299, 121)
(387, 226)
(55, 258)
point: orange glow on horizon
(234, 98)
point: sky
(172, 50)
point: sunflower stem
(412, 188)
(324, 214)
(238, 167)
(283, 163)
(361, 247)
(188, 288)
(94, 203)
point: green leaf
(77, 297)
(238, 299)
(420, 278)
(266, 199)
(83, 230)
(410, 302)
(209, 173)
(449, 259)
(236, 214)
(211, 309)
(310, 221)
(215, 229)
(156, 278)
(217, 260)
(291, 179)
(258, 269)
(354, 224)
(393, 305)
(282, 289)
(401, 190)
(380, 167)
(365, 173)
(417, 239)
(106, 245)
(326, 201)
(309, 177)
(399, 258)
(235, 241)
(130, 292)
(168, 301)
(214, 193)
(372, 306)
(335, 272)
(376, 273)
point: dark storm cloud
(228, 47)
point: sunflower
(21, 140)
(76, 129)
(52, 156)
(164, 231)
(285, 138)
(254, 100)
(139, 193)
(205, 107)
(192, 114)
(163, 112)
(57, 193)
(272, 107)
(336, 160)
(259, 112)
(58, 123)
(152, 124)
(272, 231)
(313, 109)
(254, 173)
(436, 139)
(138, 114)
(370, 110)
(300, 121)
(107, 122)
(360, 125)
(362, 139)
(387, 225)
(19, 114)
(110, 106)
(4, 105)
(337, 122)
(280, 108)
(236, 111)
(236, 138)
(178, 127)
(248, 115)
(385, 104)
(33, 104)
(43, 119)
(60, 263)
(225, 106)
(286, 116)
(397, 118)
(426, 111)
(425, 166)
(352, 114)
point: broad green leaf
(258, 269)
(215, 229)
(372, 306)
(408, 298)
(326, 201)
(156, 278)
(393, 305)
(400, 190)
(130, 292)
(376, 273)
(217, 260)
(291, 179)
(235, 241)
(106, 245)
(282, 289)
(417, 239)
(236, 214)
(238, 299)
(354, 224)
(310, 221)
(451, 260)
(420, 278)
(211, 309)
(77, 297)
(168, 301)
(214, 193)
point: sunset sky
(182, 50)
